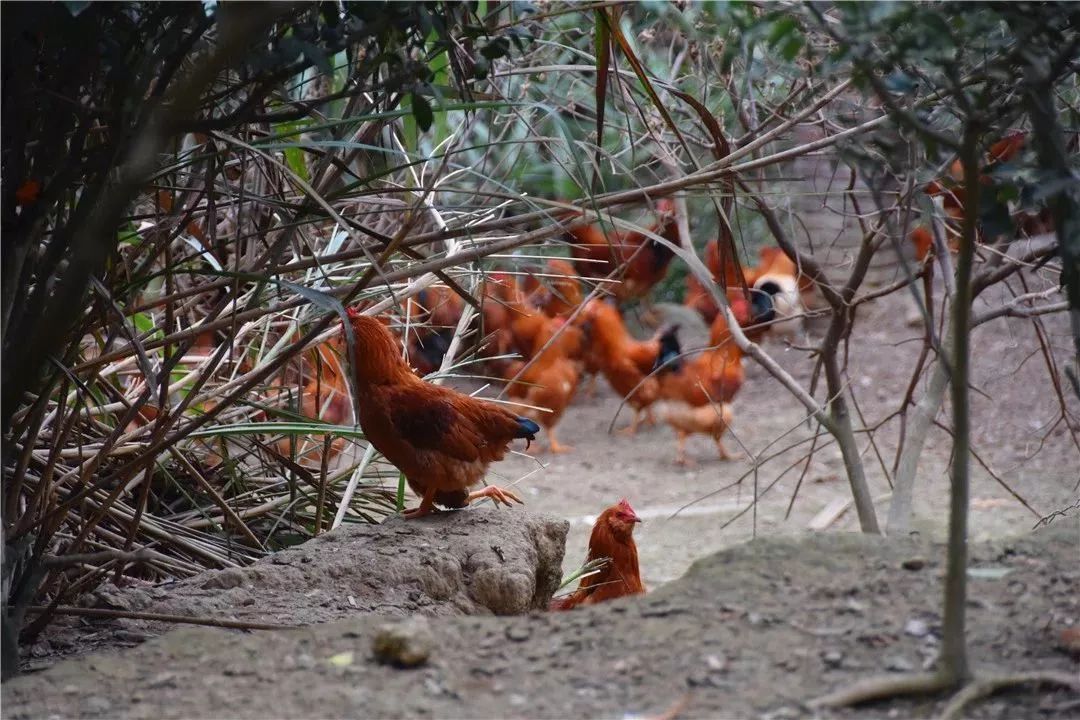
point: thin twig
(159, 617)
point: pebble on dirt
(405, 644)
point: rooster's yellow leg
(427, 505)
(631, 429)
(724, 454)
(556, 447)
(680, 450)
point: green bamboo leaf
(144, 323)
(422, 112)
(129, 235)
(294, 152)
(781, 29)
(603, 63)
(643, 78)
(721, 149)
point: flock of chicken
(542, 336)
(547, 333)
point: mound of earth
(752, 631)
(471, 562)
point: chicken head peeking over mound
(612, 538)
(441, 440)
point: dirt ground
(752, 632)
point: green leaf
(294, 158)
(603, 63)
(792, 46)
(294, 152)
(129, 235)
(781, 29)
(422, 112)
(401, 492)
(144, 323)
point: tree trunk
(954, 658)
(922, 418)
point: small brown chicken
(953, 195)
(612, 538)
(625, 362)
(697, 391)
(644, 260)
(558, 293)
(711, 419)
(325, 397)
(437, 311)
(550, 376)
(441, 440)
(499, 298)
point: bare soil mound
(476, 562)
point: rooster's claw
(497, 495)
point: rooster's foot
(724, 454)
(427, 506)
(555, 446)
(497, 495)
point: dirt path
(1013, 412)
(754, 631)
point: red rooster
(612, 538)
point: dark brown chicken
(441, 440)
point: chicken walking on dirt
(547, 381)
(626, 363)
(441, 440)
(612, 538)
